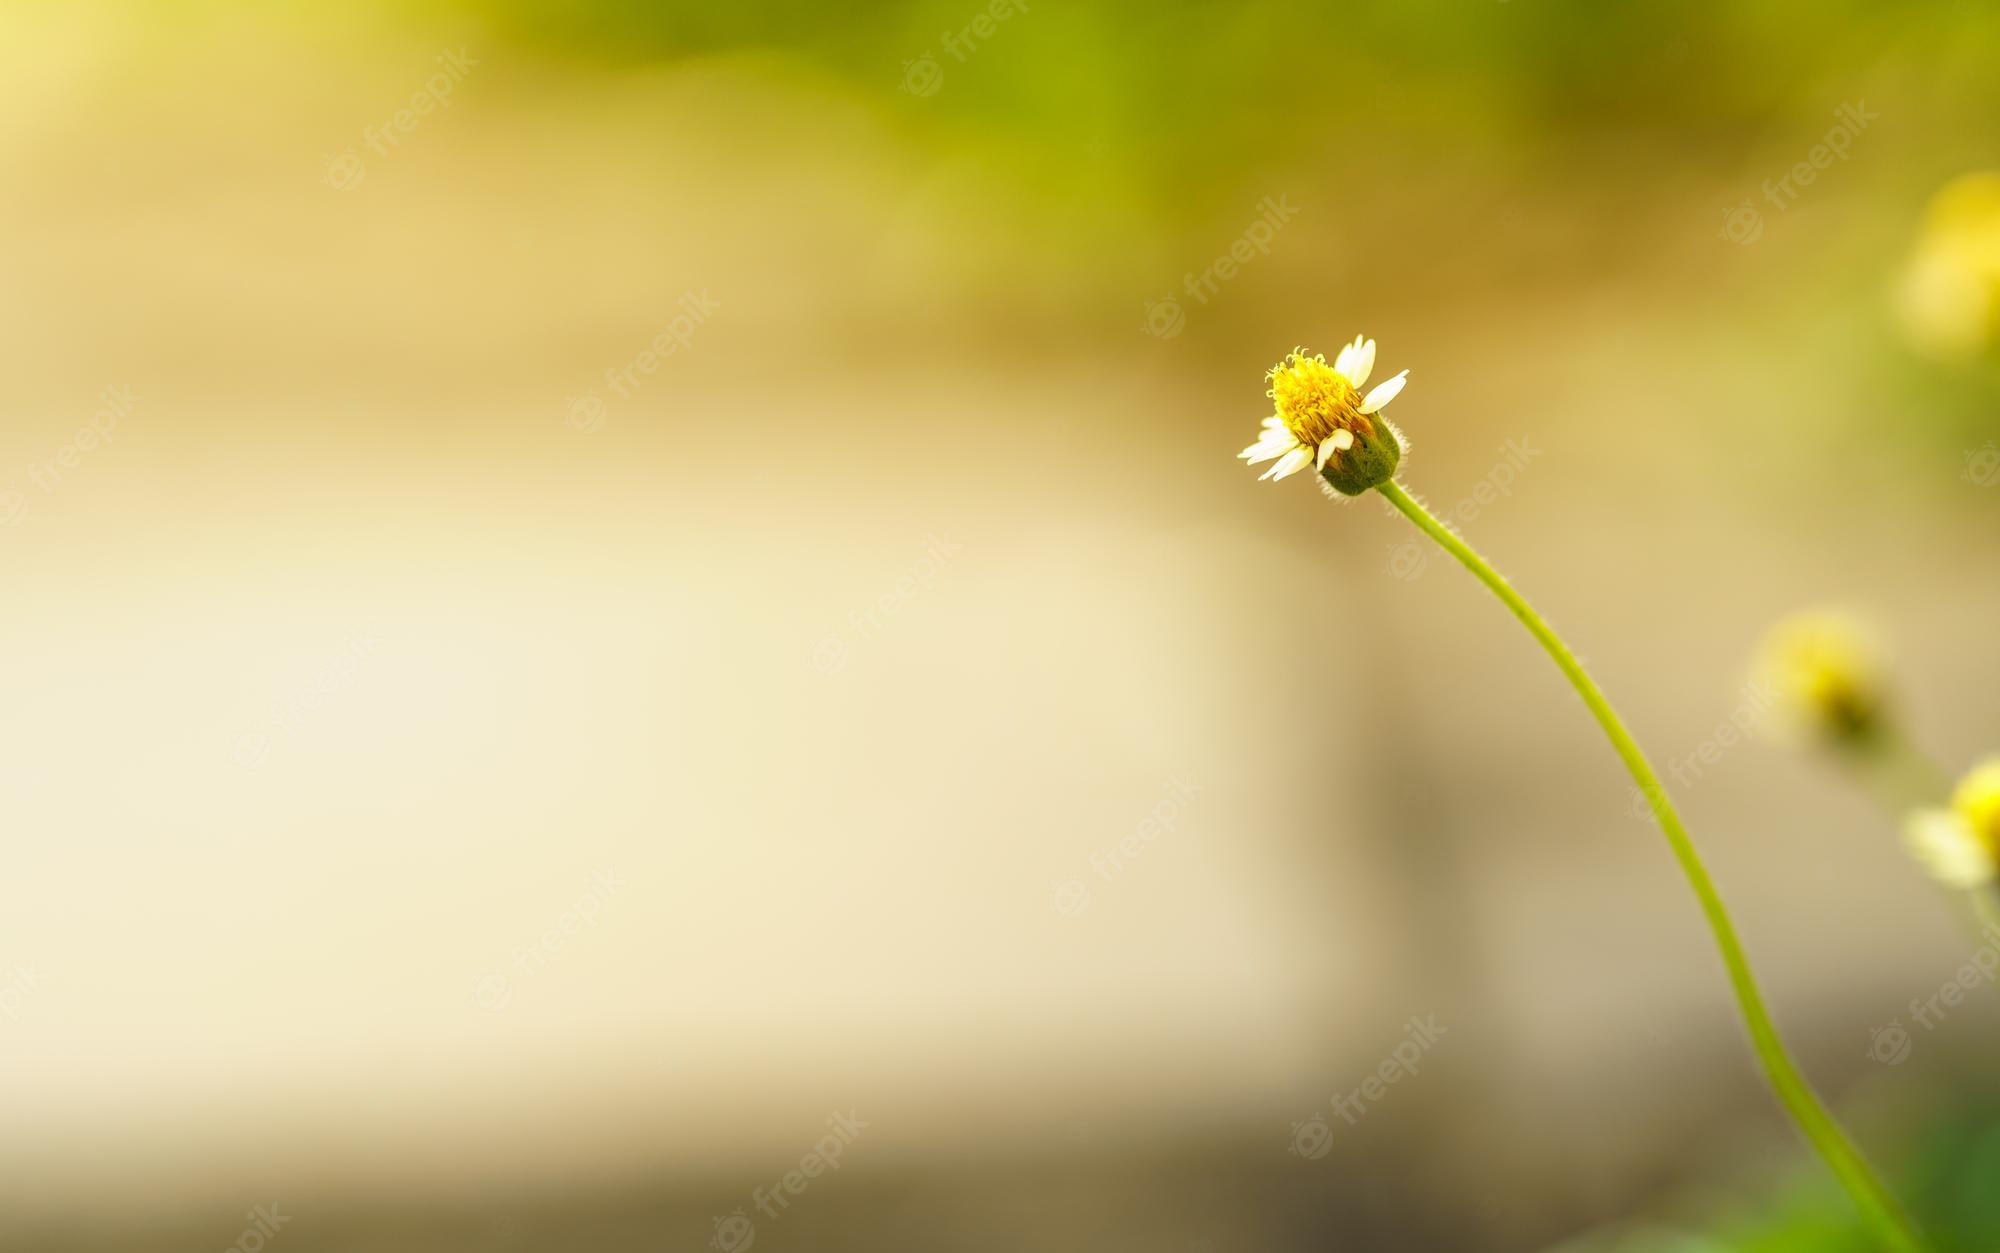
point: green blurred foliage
(1144, 83)
(1951, 1182)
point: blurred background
(609, 605)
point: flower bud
(1950, 293)
(1826, 674)
(1369, 462)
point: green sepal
(1370, 462)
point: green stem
(1899, 773)
(1875, 1202)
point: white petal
(1949, 848)
(1356, 361)
(1280, 440)
(1275, 423)
(1267, 450)
(1384, 393)
(1339, 441)
(1289, 464)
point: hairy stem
(1890, 1224)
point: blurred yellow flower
(1950, 294)
(1961, 845)
(1322, 416)
(1826, 674)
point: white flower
(1961, 845)
(1321, 412)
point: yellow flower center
(1314, 400)
(1825, 668)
